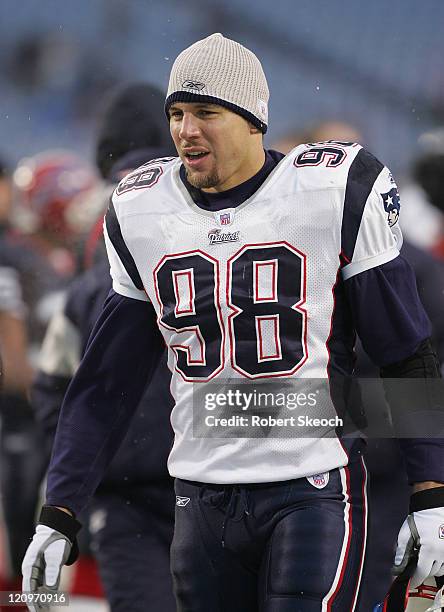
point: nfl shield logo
(319, 481)
(441, 532)
(225, 217)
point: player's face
(218, 148)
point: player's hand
(41, 567)
(421, 534)
(52, 546)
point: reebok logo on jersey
(319, 481)
(216, 236)
(441, 532)
(182, 501)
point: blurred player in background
(15, 381)
(268, 523)
(428, 172)
(32, 286)
(320, 132)
(422, 194)
(132, 513)
(13, 332)
(51, 187)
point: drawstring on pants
(235, 493)
(228, 498)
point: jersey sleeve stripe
(115, 235)
(361, 266)
(363, 172)
(128, 292)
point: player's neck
(253, 165)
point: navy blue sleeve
(388, 315)
(392, 324)
(122, 353)
(424, 459)
(429, 273)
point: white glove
(422, 534)
(53, 545)
(48, 552)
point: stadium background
(378, 64)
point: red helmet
(48, 185)
(428, 597)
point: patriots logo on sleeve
(392, 205)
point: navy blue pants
(23, 462)
(131, 538)
(389, 495)
(277, 547)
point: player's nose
(189, 127)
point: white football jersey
(247, 293)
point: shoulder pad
(323, 165)
(146, 176)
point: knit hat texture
(221, 71)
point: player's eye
(175, 114)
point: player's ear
(253, 129)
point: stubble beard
(205, 181)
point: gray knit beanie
(221, 71)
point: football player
(260, 268)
